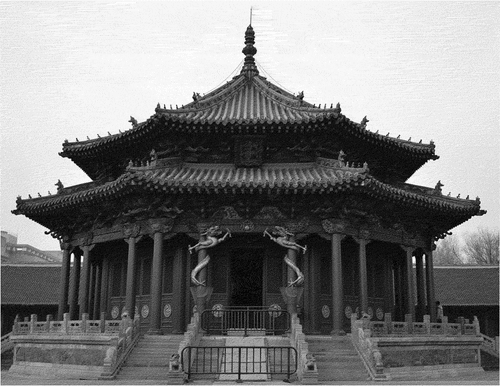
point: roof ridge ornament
(249, 67)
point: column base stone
(338, 333)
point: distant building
(469, 291)
(30, 281)
(14, 253)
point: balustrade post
(476, 325)
(103, 321)
(409, 323)
(65, 323)
(427, 323)
(444, 322)
(15, 327)
(388, 323)
(461, 321)
(85, 318)
(33, 321)
(48, 319)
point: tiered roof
(252, 106)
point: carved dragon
(211, 240)
(298, 272)
(202, 264)
(283, 239)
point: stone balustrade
(66, 326)
(425, 328)
(307, 371)
(99, 347)
(367, 348)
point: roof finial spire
(249, 51)
(251, 10)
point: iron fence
(246, 320)
(239, 361)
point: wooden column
(103, 303)
(97, 290)
(388, 285)
(420, 283)
(91, 293)
(85, 280)
(64, 285)
(429, 276)
(363, 279)
(399, 310)
(337, 285)
(410, 298)
(131, 289)
(73, 303)
(156, 288)
(179, 285)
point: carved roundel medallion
(217, 310)
(369, 311)
(275, 310)
(145, 311)
(247, 225)
(167, 310)
(115, 311)
(380, 313)
(348, 312)
(325, 311)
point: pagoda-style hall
(248, 197)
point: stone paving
(488, 378)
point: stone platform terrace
(487, 378)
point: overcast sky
(425, 70)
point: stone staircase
(150, 358)
(337, 359)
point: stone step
(152, 373)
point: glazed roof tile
(247, 100)
(467, 285)
(237, 108)
(213, 178)
(30, 284)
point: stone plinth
(61, 356)
(427, 357)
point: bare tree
(448, 252)
(482, 247)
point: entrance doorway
(246, 277)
